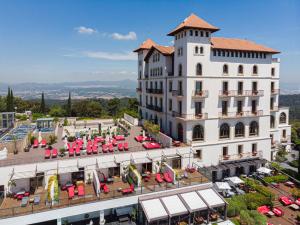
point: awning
(109, 164)
(69, 169)
(142, 160)
(211, 198)
(235, 180)
(22, 175)
(193, 201)
(222, 186)
(264, 170)
(154, 210)
(174, 205)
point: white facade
(196, 97)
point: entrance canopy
(211, 198)
(154, 210)
(235, 180)
(264, 170)
(222, 186)
(193, 201)
(174, 205)
(22, 175)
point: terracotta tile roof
(145, 45)
(165, 50)
(239, 44)
(193, 21)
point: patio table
(270, 213)
(109, 180)
(294, 206)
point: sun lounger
(263, 209)
(151, 145)
(24, 201)
(158, 178)
(110, 148)
(71, 151)
(285, 200)
(89, 149)
(54, 153)
(77, 151)
(119, 138)
(71, 192)
(139, 138)
(128, 190)
(43, 143)
(126, 148)
(95, 149)
(36, 200)
(120, 146)
(47, 153)
(277, 211)
(35, 143)
(105, 188)
(104, 148)
(167, 178)
(80, 189)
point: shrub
(52, 139)
(254, 200)
(235, 221)
(71, 139)
(294, 163)
(235, 205)
(252, 217)
(259, 188)
(277, 179)
(296, 192)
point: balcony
(138, 89)
(200, 94)
(224, 94)
(275, 91)
(157, 108)
(157, 91)
(149, 90)
(148, 106)
(241, 93)
(241, 156)
(285, 139)
(186, 117)
(177, 93)
(274, 108)
(240, 114)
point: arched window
(240, 69)
(255, 70)
(179, 70)
(199, 69)
(198, 133)
(253, 129)
(196, 50)
(201, 50)
(272, 121)
(239, 130)
(282, 118)
(224, 131)
(225, 69)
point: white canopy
(211, 198)
(222, 186)
(108, 164)
(69, 169)
(141, 160)
(193, 201)
(264, 170)
(21, 175)
(174, 205)
(235, 180)
(154, 209)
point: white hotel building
(219, 95)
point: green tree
(57, 111)
(69, 105)
(114, 106)
(2, 104)
(93, 109)
(43, 106)
(8, 100)
(12, 100)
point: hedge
(277, 179)
(259, 188)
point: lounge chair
(120, 146)
(95, 149)
(54, 153)
(119, 138)
(128, 190)
(24, 201)
(71, 192)
(89, 149)
(80, 189)
(77, 151)
(277, 211)
(71, 151)
(104, 148)
(114, 142)
(126, 148)
(36, 200)
(43, 143)
(105, 188)
(35, 143)
(110, 148)
(158, 178)
(47, 153)
(151, 145)
(167, 178)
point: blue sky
(66, 40)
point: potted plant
(89, 180)
(62, 152)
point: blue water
(18, 133)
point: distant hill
(293, 102)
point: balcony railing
(285, 139)
(240, 114)
(149, 90)
(157, 91)
(274, 108)
(200, 94)
(246, 155)
(177, 93)
(275, 91)
(241, 93)
(157, 108)
(138, 89)
(200, 116)
(148, 106)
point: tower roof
(145, 45)
(193, 21)
(239, 44)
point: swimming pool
(18, 133)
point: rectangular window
(170, 104)
(240, 149)
(180, 107)
(198, 154)
(225, 151)
(201, 33)
(180, 92)
(272, 87)
(240, 88)
(224, 107)
(170, 86)
(191, 32)
(254, 148)
(196, 33)
(198, 108)
(254, 86)
(273, 71)
(272, 103)
(253, 106)
(198, 87)
(239, 106)
(225, 87)
(283, 133)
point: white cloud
(131, 36)
(85, 30)
(126, 56)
